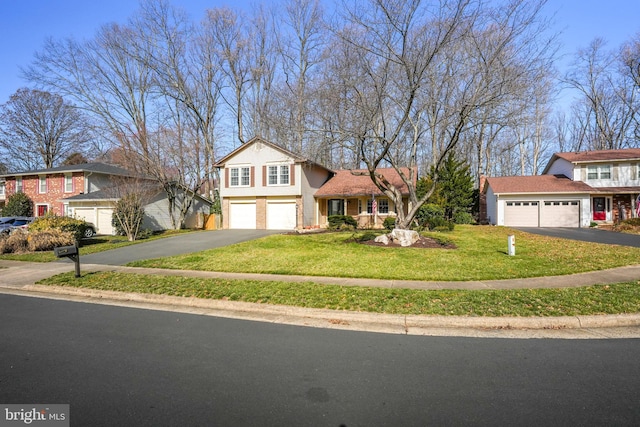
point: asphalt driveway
(594, 235)
(176, 245)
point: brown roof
(537, 184)
(601, 155)
(347, 183)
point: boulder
(382, 239)
(404, 237)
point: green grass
(480, 255)
(604, 299)
(90, 246)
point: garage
(521, 214)
(281, 215)
(560, 213)
(242, 215)
(100, 217)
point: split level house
(86, 191)
(575, 189)
(264, 186)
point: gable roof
(536, 184)
(595, 156)
(296, 157)
(347, 183)
(102, 168)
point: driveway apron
(593, 235)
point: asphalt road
(176, 245)
(131, 367)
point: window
(278, 175)
(382, 206)
(2, 193)
(240, 177)
(599, 172)
(18, 184)
(42, 187)
(68, 184)
(66, 211)
(335, 207)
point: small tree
(455, 188)
(128, 215)
(18, 204)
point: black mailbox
(70, 252)
(65, 251)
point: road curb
(522, 327)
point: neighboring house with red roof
(574, 190)
(352, 192)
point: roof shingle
(537, 184)
(350, 183)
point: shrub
(76, 227)
(429, 212)
(15, 242)
(128, 215)
(48, 239)
(389, 223)
(463, 218)
(18, 204)
(634, 222)
(438, 223)
(342, 222)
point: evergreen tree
(18, 204)
(454, 190)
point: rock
(405, 237)
(382, 239)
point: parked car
(90, 231)
(9, 223)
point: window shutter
(292, 175)
(253, 175)
(226, 177)
(264, 175)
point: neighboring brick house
(575, 189)
(48, 188)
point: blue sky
(24, 25)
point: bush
(389, 223)
(128, 215)
(18, 204)
(48, 239)
(463, 218)
(76, 227)
(15, 242)
(429, 212)
(342, 222)
(634, 222)
(440, 224)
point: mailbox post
(70, 252)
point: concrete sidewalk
(19, 278)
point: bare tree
(605, 108)
(481, 56)
(39, 130)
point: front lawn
(480, 254)
(602, 299)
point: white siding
(562, 167)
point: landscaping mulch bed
(423, 243)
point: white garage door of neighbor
(521, 214)
(560, 214)
(87, 214)
(104, 221)
(281, 216)
(242, 215)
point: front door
(599, 209)
(42, 210)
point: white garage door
(103, 224)
(242, 215)
(521, 214)
(87, 214)
(281, 215)
(560, 214)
